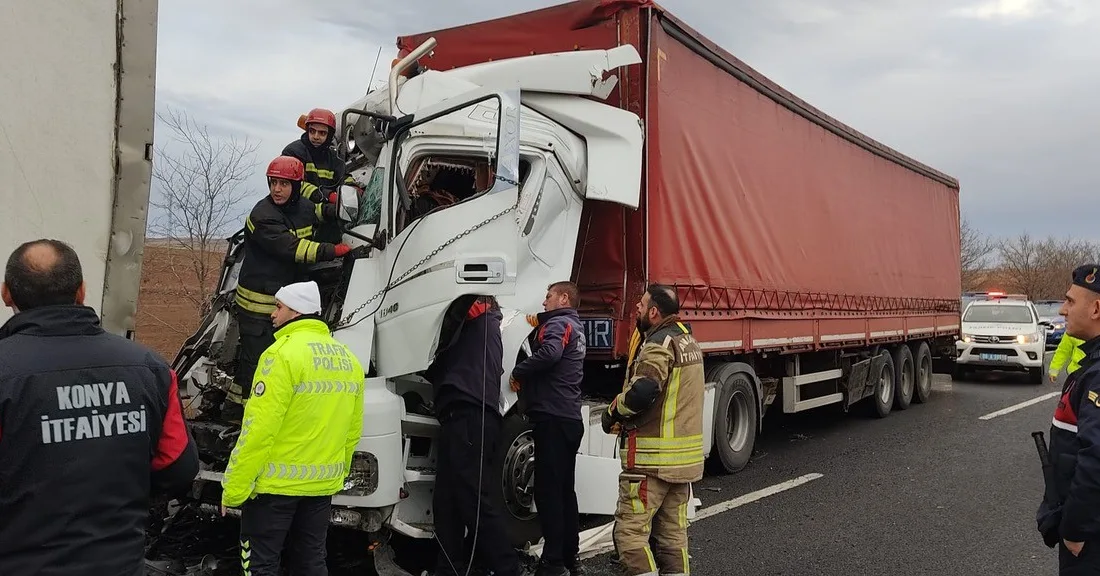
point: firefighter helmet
(321, 116)
(287, 168)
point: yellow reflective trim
(664, 459)
(668, 419)
(311, 252)
(254, 306)
(636, 503)
(304, 232)
(682, 513)
(649, 556)
(318, 211)
(683, 442)
(684, 552)
(300, 251)
(255, 296)
(248, 224)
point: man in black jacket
(550, 382)
(90, 424)
(466, 377)
(325, 169)
(277, 252)
(1072, 520)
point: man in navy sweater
(550, 380)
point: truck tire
(883, 398)
(922, 364)
(514, 469)
(904, 376)
(735, 421)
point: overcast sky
(1000, 94)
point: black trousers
(257, 334)
(557, 440)
(458, 489)
(1087, 563)
(268, 522)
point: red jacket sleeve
(175, 460)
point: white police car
(1001, 333)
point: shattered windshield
(371, 210)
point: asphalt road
(929, 490)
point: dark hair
(34, 284)
(569, 289)
(664, 298)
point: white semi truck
(77, 88)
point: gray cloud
(997, 93)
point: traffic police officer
(277, 252)
(295, 449)
(90, 424)
(660, 413)
(1073, 521)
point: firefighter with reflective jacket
(295, 449)
(277, 252)
(660, 412)
(325, 170)
(1071, 519)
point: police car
(1001, 332)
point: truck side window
(371, 211)
(436, 182)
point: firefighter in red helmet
(277, 251)
(325, 169)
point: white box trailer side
(77, 95)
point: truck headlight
(1028, 338)
(362, 480)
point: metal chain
(347, 319)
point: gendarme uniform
(298, 434)
(1075, 453)
(661, 448)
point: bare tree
(976, 249)
(1058, 258)
(201, 186)
(1022, 264)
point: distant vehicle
(1049, 311)
(1001, 332)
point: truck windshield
(996, 313)
(371, 204)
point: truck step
(419, 474)
(419, 425)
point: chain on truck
(614, 166)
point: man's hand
(223, 509)
(1074, 547)
(514, 383)
(1053, 377)
(607, 419)
(533, 320)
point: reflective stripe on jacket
(1069, 348)
(666, 440)
(303, 419)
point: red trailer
(803, 251)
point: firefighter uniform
(1075, 454)
(300, 428)
(277, 252)
(661, 448)
(325, 169)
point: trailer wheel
(904, 376)
(883, 398)
(514, 466)
(735, 422)
(923, 363)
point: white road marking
(1016, 407)
(754, 496)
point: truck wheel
(735, 422)
(883, 399)
(904, 377)
(514, 463)
(923, 364)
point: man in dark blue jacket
(90, 424)
(466, 378)
(550, 382)
(1071, 520)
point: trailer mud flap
(857, 381)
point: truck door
(451, 230)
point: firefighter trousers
(648, 505)
(301, 522)
(257, 333)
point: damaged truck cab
(474, 183)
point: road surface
(934, 489)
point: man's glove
(333, 198)
(1049, 530)
(608, 419)
(342, 249)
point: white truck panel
(76, 130)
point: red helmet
(287, 168)
(321, 116)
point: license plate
(597, 333)
(993, 357)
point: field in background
(166, 314)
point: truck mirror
(348, 197)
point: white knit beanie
(302, 297)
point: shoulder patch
(258, 389)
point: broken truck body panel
(98, 202)
(756, 204)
